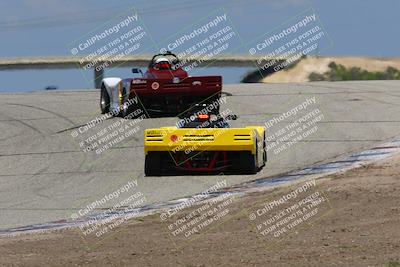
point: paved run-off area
(45, 176)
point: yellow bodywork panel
(186, 140)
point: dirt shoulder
(356, 224)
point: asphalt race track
(45, 175)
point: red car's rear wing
(193, 86)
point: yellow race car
(204, 144)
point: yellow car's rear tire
(248, 163)
(152, 164)
(264, 150)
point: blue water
(73, 79)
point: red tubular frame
(186, 166)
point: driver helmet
(162, 63)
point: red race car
(165, 89)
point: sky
(48, 27)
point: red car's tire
(104, 100)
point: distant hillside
(338, 72)
(300, 72)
